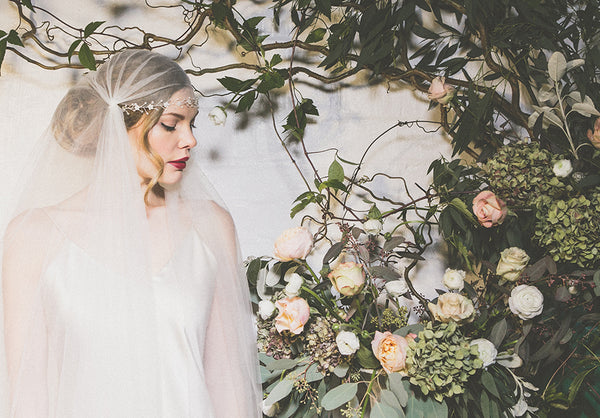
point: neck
(155, 197)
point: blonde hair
(78, 118)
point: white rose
(372, 226)
(526, 301)
(487, 351)
(270, 410)
(217, 115)
(562, 168)
(293, 244)
(454, 279)
(347, 343)
(294, 284)
(266, 308)
(396, 288)
(512, 262)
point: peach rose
(440, 91)
(293, 314)
(488, 209)
(594, 136)
(390, 349)
(293, 244)
(348, 278)
(452, 307)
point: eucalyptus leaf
(498, 332)
(383, 410)
(333, 252)
(283, 364)
(280, 391)
(339, 395)
(557, 66)
(396, 385)
(313, 374)
(384, 272)
(388, 397)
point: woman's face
(171, 138)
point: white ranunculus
(347, 343)
(270, 410)
(396, 288)
(217, 115)
(266, 309)
(373, 226)
(562, 168)
(526, 301)
(487, 351)
(294, 284)
(512, 262)
(454, 279)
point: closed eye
(168, 128)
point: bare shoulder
(29, 226)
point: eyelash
(168, 128)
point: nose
(187, 140)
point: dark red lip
(179, 164)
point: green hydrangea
(319, 343)
(520, 173)
(569, 229)
(441, 361)
(391, 320)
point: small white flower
(217, 115)
(454, 279)
(526, 301)
(266, 309)
(347, 343)
(270, 410)
(294, 284)
(519, 408)
(373, 226)
(562, 168)
(487, 351)
(396, 288)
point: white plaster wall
(243, 159)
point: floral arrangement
(514, 328)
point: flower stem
(366, 398)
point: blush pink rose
(390, 349)
(489, 209)
(348, 278)
(594, 136)
(439, 91)
(293, 244)
(293, 314)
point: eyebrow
(178, 115)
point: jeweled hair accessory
(146, 107)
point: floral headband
(146, 107)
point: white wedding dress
(72, 312)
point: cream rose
(372, 226)
(293, 244)
(452, 307)
(512, 262)
(293, 314)
(454, 279)
(440, 91)
(390, 350)
(266, 308)
(348, 278)
(347, 343)
(396, 288)
(562, 168)
(217, 115)
(488, 209)
(526, 301)
(487, 351)
(294, 284)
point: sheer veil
(82, 193)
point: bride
(121, 294)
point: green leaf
(235, 85)
(275, 60)
(3, 45)
(336, 171)
(252, 270)
(86, 57)
(384, 272)
(324, 6)
(27, 3)
(280, 391)
(91, 27)
(577, 382)
(366, 358)
(557, 66)
(283, 364)
(13, 38)
(72, 48)
(596, 280)
(383, 410)
(489, 384)
(316, 35)
(246, 102)
(498, 332)
(388, 397)
(396, 385)
(339, 395)
(374, 213)
(313, 374)
(333, 252)
(392, 243)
